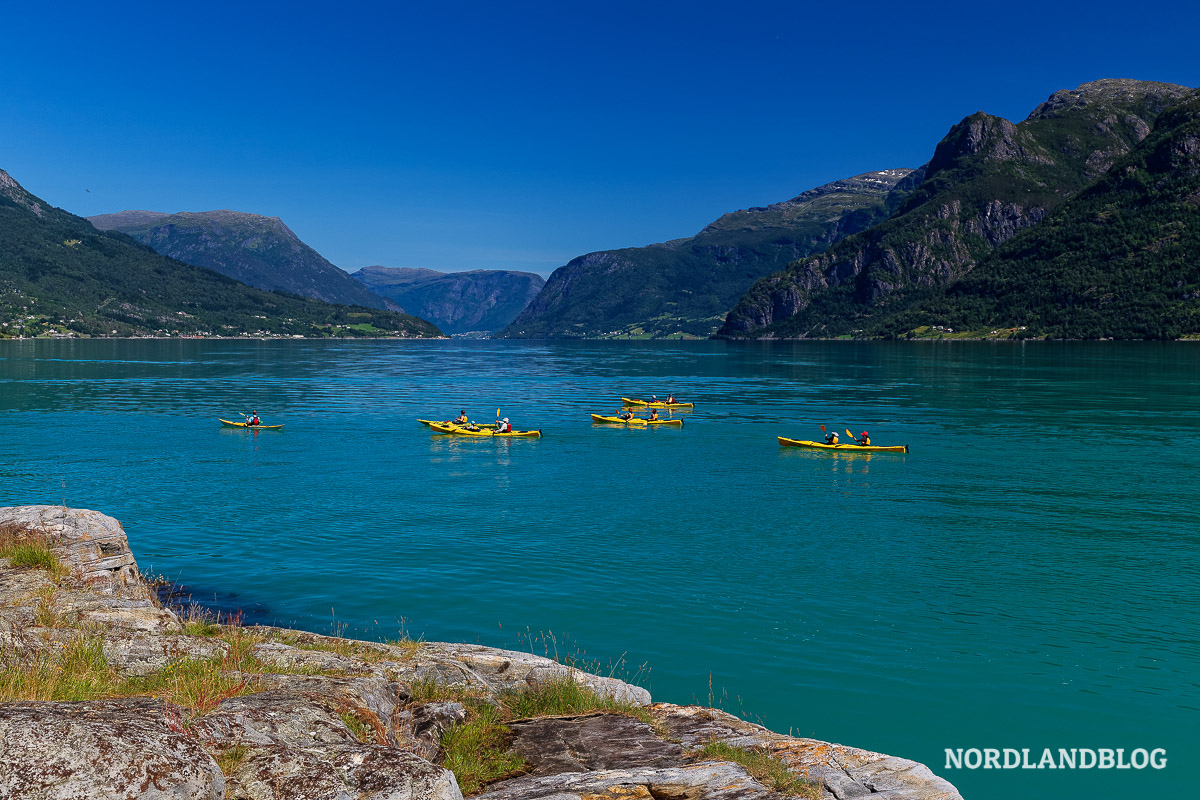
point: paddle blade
(822, 429)
(848, 433)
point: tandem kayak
(451, 422)
(251, 427)
(627, 401)
(854, 448)
(442, 427)
(618, 421)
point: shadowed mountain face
(256, 250)
(687, 285)
(988, 180)
(457, 302)
(59, 274)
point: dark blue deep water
(1028, 576)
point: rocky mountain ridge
(988, 179)
(108, 694)
(684, 287)
(256, 250)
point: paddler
(653, 414)
(252, 419)
(625, 414)
(472, 426)
(670, 399)
(503, 426)
(462, 418)
(831, 437)
(865, 440)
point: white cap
(506, 419)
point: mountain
(988, 180)
(59, 275)
(685, 286)
(1121, 259)
(256, 250)
(457, 302)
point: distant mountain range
(259, 251)
(686, 286)
(1081, 222)
(480, 301)
(59, 275)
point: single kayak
(856, 448)
(648, 404)
(252, 427)
(451, 422)
(635, 421)
(444, 427)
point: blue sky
(519, 135)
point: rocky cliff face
(103, 693)
(988, 179)
(457, 302)
(259, 251)
(686, 285)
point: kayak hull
(850, 448)
(457, 430)
(647, 404)
(251, 427)
(600, 419)
(451, 422)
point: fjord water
(1027, 576)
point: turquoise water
(1027, 576)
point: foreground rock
(266, 713)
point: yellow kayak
(452, 422)
(251, 427)
(854, 448)
(648, 404)
(447, 427)
(635, 421)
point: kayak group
(463, 425)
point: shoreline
(402, 704)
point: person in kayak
(503, 426)
(471, 426)
(831, 437)
(670, 399)
(653, 398)
(252, 419)
(653, 414)
(625, 414)
(462, 418)
(865, 441)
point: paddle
(827, 438)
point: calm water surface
(1027, 576)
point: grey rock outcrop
(132, 748)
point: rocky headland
(105, 693)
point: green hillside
(684, 287)
(258, 251)
(988, 180)
(59, 275)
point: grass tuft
(766, 768)
(562, 695)
(477, 751)
(30, 550)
